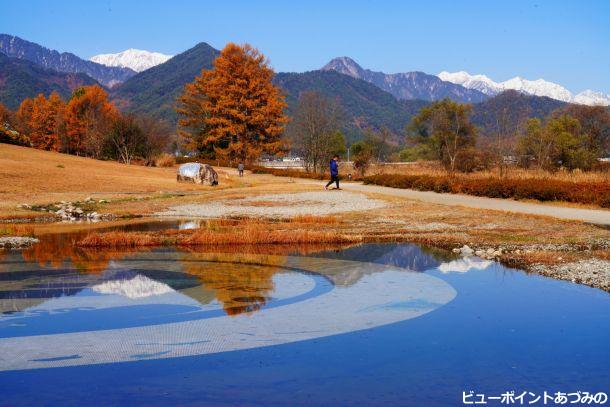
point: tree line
(85, 125)
(234, 112)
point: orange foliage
(42, 119)
(57, 250)
(240, 288)
(89, 117)
(234, 110)
(5, 114)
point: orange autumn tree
(89, 118)
(233, 110)
(24, 115)
(42, 120)
(5, 114)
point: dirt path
(595, 216)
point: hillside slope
(504, 113)
(364, 105)
(67, 177)
(20, 79)
(155, 90)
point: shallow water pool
(396, 324)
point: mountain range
(62, 62)
(368, 99)
(539, 87)
(407, 86)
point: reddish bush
(288, 173)
(597, 193)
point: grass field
(34, 176)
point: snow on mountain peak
(138, 287)
(592, 98)
(136, 59)
(479, 82)
(538, 87)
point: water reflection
(464, 265)
(143, 304)
(240, 279)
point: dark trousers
(333, 178)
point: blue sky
(567, 42)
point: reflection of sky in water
(228, 306)
(464, 265)
(505, 330)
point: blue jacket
(334, 168)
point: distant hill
(155, 90)
(407, 85)
(62, 62)
(20, 79)
(505, 112)
(364, 105)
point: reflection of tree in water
(239, 277)
(55, 250)
(239, 285)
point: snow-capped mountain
(539, 87)
(479, 82)
(135, 59)
(592, 98)
(19, 48)
(406, 85)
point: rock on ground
(280, 205)
(16, 242)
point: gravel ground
(280, 205)
(592, 272)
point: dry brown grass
(222, 233)
(602, 254)
(260, 234)
(16, 230)
(313, 219)
(120, 239)
(34, 176)
(546, 257)
(588, 193)
(166, 160)
(433, 168)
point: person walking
(334, 172)
(240, 168)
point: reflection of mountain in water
(138, 287)
(240, 288)
(240, 282)
(409, 256)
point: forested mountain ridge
(154, 91)
(66, 62)
(20, 79)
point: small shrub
(166, 160)
(288, 173)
